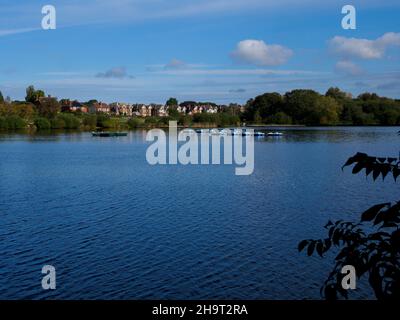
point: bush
(3, 123)
(185, 120)
(90, 120)
(42, 124)
(134, 123)
(280, 118)
(57, 123)
(111, 123)
(71, 122)
(15, 123)
(101, 120)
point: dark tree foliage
(48, 107)
(311, 108)
(371, 245)
(172, 102)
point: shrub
(90, 120)
(42, 124)
(71, 122)
(57, 123)
(134, 123)
(101, 119)
(280, 118)
(3, 123)
(15, 122)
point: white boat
(275, 134)
(259, 134)
(225, 132)
(214, 132)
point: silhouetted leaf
(328, 244)
(358, 167)
(371, 213)
(380, 217)
(376, 173)
(385, 170)
(328, 224)
(320, 248)
(336, 236)
(330, 233)
(302, 245)
(368, 169)
(349, 162)
(310, 249)
(395, 172)
(395, 239)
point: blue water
(115, 227)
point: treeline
(304, 107)
(44, 113)
(307, 107)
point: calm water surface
(117, 228)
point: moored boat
(275, 134)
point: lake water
(116, 227)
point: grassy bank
(89, 122)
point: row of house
(139, 110)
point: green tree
(172, 102)
(173, 112)
(33, 95)
(300, 104)
(1, 98)
(264, 105)
(326, 111)
(90, 121)
(279, 118)
(14, 122)
(48, 107)
(42, 123)
(336, 94)
(257, 117)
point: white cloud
(363, 48)
(233, 72)
(258, 53)
(117, 73)
(7, 32)
(175, 64)
(348, 67)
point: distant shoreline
(259, 126)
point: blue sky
(204, 50)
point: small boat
(109, 134)
(214, 131)
(225, 132)
(254, 134)
(275, 134)
(259, 134)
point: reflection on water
(116, 227)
